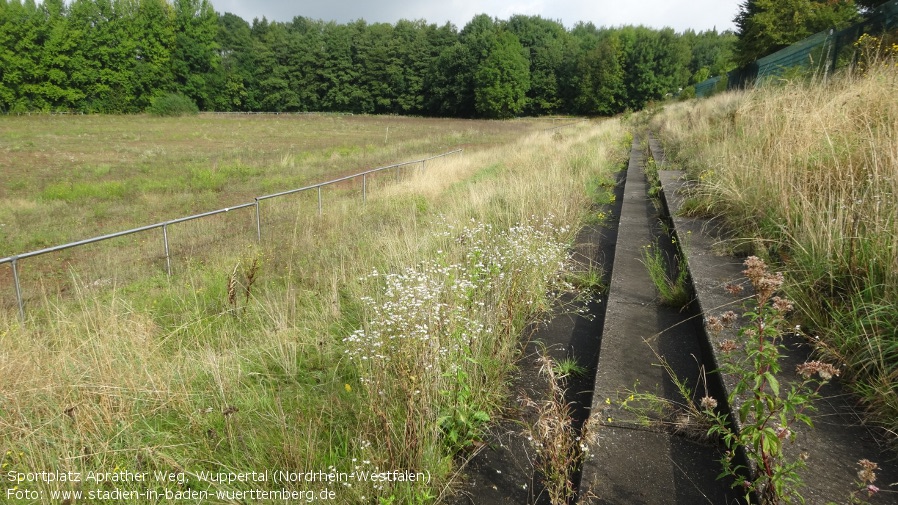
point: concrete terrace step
(838, 439)
(628, 461)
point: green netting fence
(822, 52)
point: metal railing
(13, 260)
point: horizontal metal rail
(13, 260)
(121, 233)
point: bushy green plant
(172, 104)
(601, 189)
(462, 424)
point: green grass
(85, 192)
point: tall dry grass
(211, 371)
(808, 173)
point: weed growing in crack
(567, 367)
(559, 447)
(674, 291)
(653, 178)
(768, 415)
(590, 280)
(681, 416)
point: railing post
(319, 200)
(165, 242)
(15, 276)
(258, 222)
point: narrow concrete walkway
(630, 461)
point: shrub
(172, 104)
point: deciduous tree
(195, 57)
(502, 79)
(544, 42)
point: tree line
(116, 56)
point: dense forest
(116, 56)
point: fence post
(15, 276)
(364, 188)
(258, 222)
(834, 61)
(319, 200)
(165, 242)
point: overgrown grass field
(806, 173)
(377, 337)
(67, 178)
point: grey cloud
(678, 14)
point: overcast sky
(677, 14)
